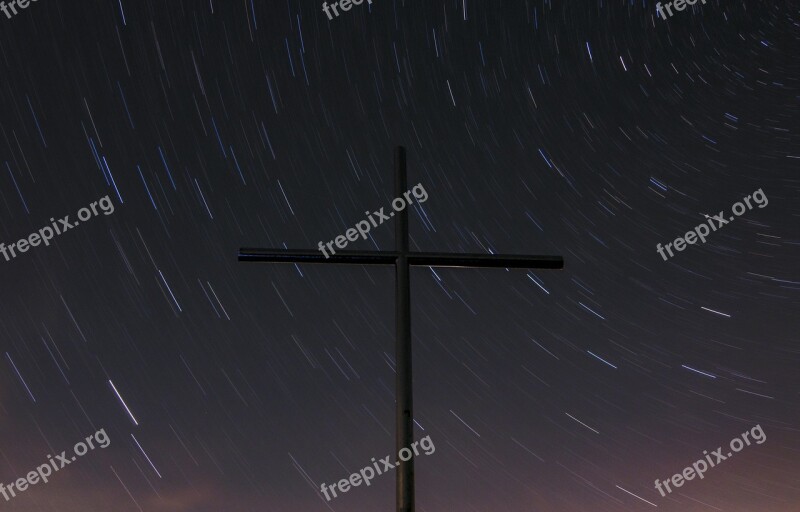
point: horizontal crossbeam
(420, 259)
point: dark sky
(593, 130)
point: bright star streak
(600, 358)
(582, 423)
(145, 455)
(629, 492)
(123, 402)
(717, 312)
(20, 377)
(698, 371)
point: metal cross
(402, 258)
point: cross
(402, 258)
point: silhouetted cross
(402, 258)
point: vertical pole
(405, 418)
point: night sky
(593, 130)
